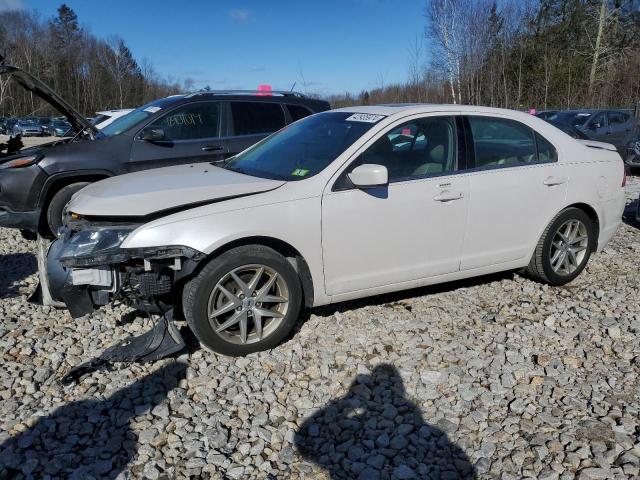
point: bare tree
(446, 23)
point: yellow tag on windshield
(300, 172)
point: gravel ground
(30, 141)
(499, 376)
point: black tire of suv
(195, 298)
(539, 267)
(57, 204)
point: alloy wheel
(569, 247)
(248, 303)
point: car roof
(415, 108)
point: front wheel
(564, 248)
(246, 300)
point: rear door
(192, 133)
(516, 186)
(250, 122)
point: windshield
(131, 119)
(125, 122)
(304, 148)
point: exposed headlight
(94, 242)
(21, 162)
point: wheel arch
(57, 182)
(593, 216)
(287, 250)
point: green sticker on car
(300, 172)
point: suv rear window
(251, 118)
(298, 111)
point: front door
(411, 229)
(191, 134)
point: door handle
(447, 196)
(552, 181)
(211, 148)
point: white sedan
(341, 205)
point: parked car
(334, 207)
(7, 127)
(61, 128)
(107, 117)
(616, 127)
(27, 128)
(199, 127)
(45, 124)
(632, 157)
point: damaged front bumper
(87, 269)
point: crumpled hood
(165, 189)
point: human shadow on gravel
(88, 438)
(13, 268)
(374, 432)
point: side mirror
(152, 134)
(369, 175)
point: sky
(326, 47)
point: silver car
(27, 128)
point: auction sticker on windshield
(364, 117)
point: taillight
(624, 175)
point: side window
(298, 111)
(617, 118)
(502, 142)
(597, 121)
(251, 118)
(416, 149)
(191, 122)
(546, 151)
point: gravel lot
(30, 141)
(500, 375)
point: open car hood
(165, 190)
(32, 84)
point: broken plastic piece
(162, 340)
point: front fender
(295, 222)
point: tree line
(522, 54)
(90, 73)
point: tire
(202, 295)
(545, 267)
(57, 204)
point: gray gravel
(501, 375)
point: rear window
(500, 142)
(298, 111)
(250, 118)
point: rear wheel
(56, 206)
(246, 300)
(564, 248)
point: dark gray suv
(209, 126)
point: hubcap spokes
(248, 304)
(569, 247)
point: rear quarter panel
(595, 178)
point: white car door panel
(387, 235)
(508, 208)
